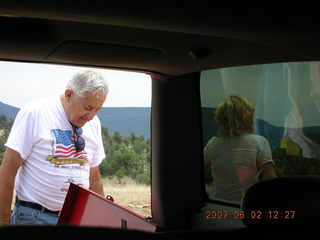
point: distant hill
(8, 111)
(125, 120)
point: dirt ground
(135, 197)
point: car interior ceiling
(173, 47)
(149, 42)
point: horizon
(125, 120)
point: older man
(53, 142)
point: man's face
(80, 110)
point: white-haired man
(53, 142)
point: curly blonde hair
(235, 117)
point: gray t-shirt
(235, 164)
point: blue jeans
(22, 215)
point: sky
(23, 82)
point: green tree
(139, 145)
(120, 174)
(105, 132)
(126, 156)
(5, 127)
(132, 137)
(123, 160)
(3, 121)
(117, 138)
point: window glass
(125, 120)
(286, 102)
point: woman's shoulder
(211, 142)
(213, 139)
(254, 137)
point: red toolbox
(83, 207)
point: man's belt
(36, 206)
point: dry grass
(129, 194)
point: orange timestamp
(254, 214)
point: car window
(286, 102)
(125, 120)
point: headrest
(283, 201)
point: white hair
(88, 81)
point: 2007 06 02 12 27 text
(256, 214)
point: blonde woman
(237, 157)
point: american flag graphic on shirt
(64, 150)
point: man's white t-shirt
(44, 137)
(235, 164)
